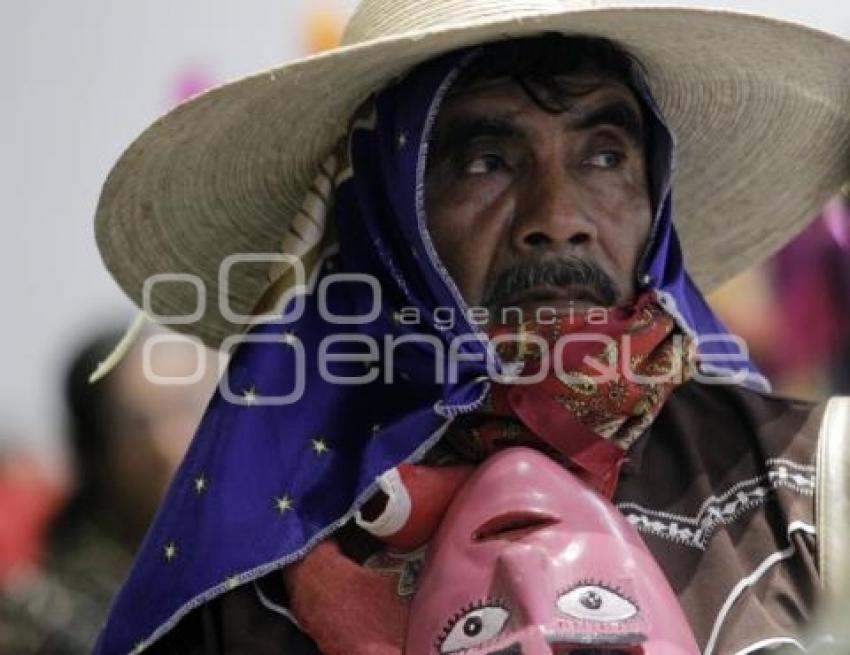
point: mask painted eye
(474, 628)
(595, 603)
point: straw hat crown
(374, 19)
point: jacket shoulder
(779, 426)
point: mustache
(562, 272)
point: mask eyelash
(607, 586)
(469, 607)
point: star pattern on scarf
(249, 396)
(200, 484)
(320, 446)
(283, 504)
(170, 551)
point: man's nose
(549, 212)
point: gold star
(170, 551)
(200, 484)
(249, 395)
(289, 338)
(232, 582)
(283, 503)
(320, 446)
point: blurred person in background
(805, 350)
(811, 278)
(29, 495)
(127, 434)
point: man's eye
(607, 159)
(484, 164)
(474, 628)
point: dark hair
(540, 64)
(86, 406)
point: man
(530, 178)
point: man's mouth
(557, 298)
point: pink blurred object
(837, 219)
(190, 83)
(529, 559)
(28, 500)
(812, 282)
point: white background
(80, 79)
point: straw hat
(760, 109)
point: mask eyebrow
(460, 131)
(619, 114)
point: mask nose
(524, 576)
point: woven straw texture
(760, 109)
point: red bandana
(615, 369)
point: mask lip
(572, 643)
(630, 643)
(513, 524)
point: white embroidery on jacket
(695, 531)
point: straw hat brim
(760, 109)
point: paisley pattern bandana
(598, 380)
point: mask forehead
(526, 481)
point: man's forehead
(506, 99)
(509, 90)
(587, 76)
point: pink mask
(530, 561)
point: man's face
(514, 193)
